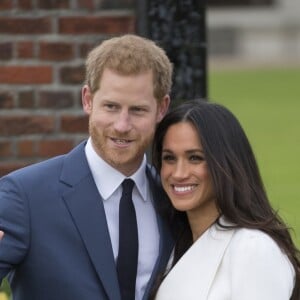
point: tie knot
(127, 186)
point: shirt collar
(109, 179)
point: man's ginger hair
(130, 55)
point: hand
(1, 234)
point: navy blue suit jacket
(56, 243)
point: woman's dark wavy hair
(240, 193)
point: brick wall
(43, 45)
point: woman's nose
(180, 170)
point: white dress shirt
(108, 181)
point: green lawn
(267, 103)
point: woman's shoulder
(249, 238)
(258, 266)
(253, 235)
(254, 240)
(256, 249)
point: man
(61, 217)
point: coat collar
(193, 275)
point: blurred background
(244, 54)
(254, 69)
(253, 32)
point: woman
(231, 245)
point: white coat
(231, 264)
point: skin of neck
(200, 223)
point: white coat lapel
(192, 276)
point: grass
(267, 103)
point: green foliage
(5, 288)
(267, 103)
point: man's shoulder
(47, 167)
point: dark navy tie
(128, 243)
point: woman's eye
(196, 158)
(168, 157)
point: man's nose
(122, 122)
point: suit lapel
(86, 208)
(197, 268)
(166, 242)
(209, 253)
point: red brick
(6, 4)
(85, 48)
(51, 148)
(18, 125)
(72, 75)
(109, 4)
(88, 4)
(7, 167)
(5, 149)
(25, 4)
(95, 24)
(74, 124)
(53, 4)
(25, 49)
(6, 51)
(56, 51)
(26, 99)
(22, 25)
(6, 100)
(55, 100)
(78, 99)
(26, 148)
(25, 74)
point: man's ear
(87, 99)
(163, 107)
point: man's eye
(138, 109)
(111, 106)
